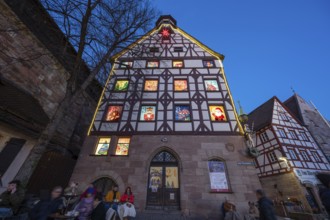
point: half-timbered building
(166, 125)
(289, 157)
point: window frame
(205, 66)
(284, 116)
(181, 79)
(174, 117)
(177, 49)
(229, 188)
(264, 137)
(95, 148)
(150, 79)
(294, 134)
(284, 133)
(272, 157)
(116, 146)
(224, 112)
(153, 49)
(316, 156)
(174, 67)
(148, 61)
(147, 105)
(304, 155)
(293, 154)
(106, 113)
(117, 80)
(218, 84)
(122, 66)
(304, 136)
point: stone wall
(27, 63)
(193, 152)
(29, 66)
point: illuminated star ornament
(165, 33)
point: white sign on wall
(218, 177)
(307, 176)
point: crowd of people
(87, 205)
(91, 204)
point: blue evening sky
(269, 45)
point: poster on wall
(182, 113)
(114, 113)
(217, 113)
(148, 113)
(172, 180)
(155, 178)
(218, 177)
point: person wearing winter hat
(85, 206)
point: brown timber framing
(164, 96)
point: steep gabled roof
(293, 105)
(262, 115)
(159, 25)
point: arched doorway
(104, 184)
(163, 182)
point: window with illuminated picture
(121, 85)
(217, 113)
(208, 63)
(211, 85)
(152, 64)
(180, 85)
(177, 63)
(113, 113)
(148, 113)
(102, 146)
(126, 64)
(182, 113)
(122, 146)
(151, 85)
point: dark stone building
(309, 116)
(35, 62)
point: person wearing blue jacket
(266, 206)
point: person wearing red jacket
(127, 209)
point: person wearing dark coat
(49, 206)
(99, 211)
(11, 199)
(266, 206)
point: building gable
(175, 79)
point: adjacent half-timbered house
(289, 157)
(166, 125)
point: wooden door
(163, 184)
(53, 169)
